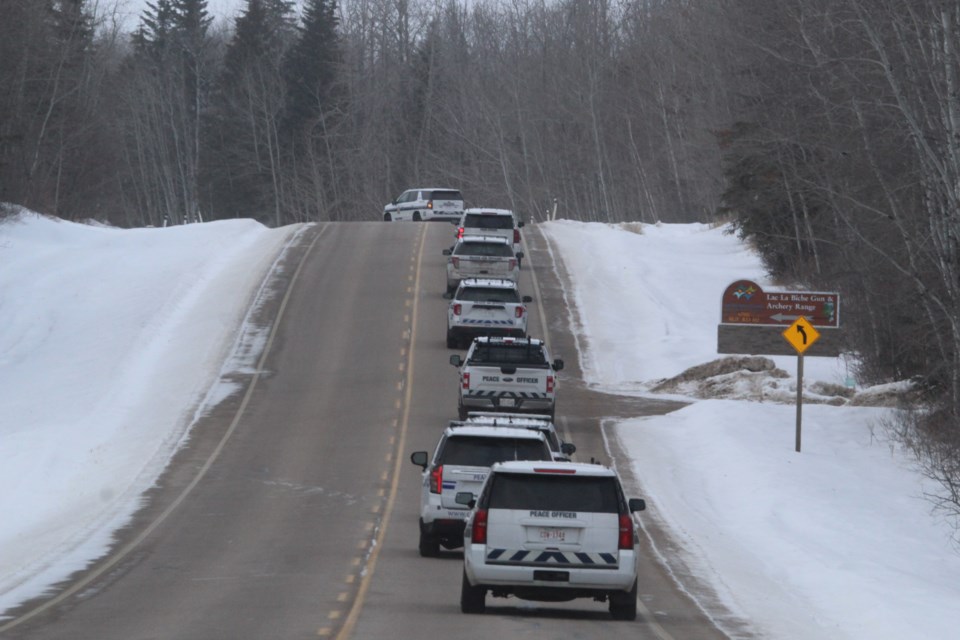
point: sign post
(801, 335)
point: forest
(826, 131)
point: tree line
(827, 131)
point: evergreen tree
(311, 66)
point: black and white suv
(460, 464)
(425, 204)
(485, 307)
(551, 532)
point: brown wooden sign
(745, 302)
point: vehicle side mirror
(456, 360)
(520, 255)
(637, 504)
(527, 298)
(568, 448)
(419, 458)
(519, 224)
(447, 252)
(557, 364)
(466, 498)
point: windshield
(488, 294)
(493, 249)
(479, 221)
(479, 451)
(554, 493)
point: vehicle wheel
(387, 217)
(429, 545)
(462, 412)
(472, 599)
(416, 216)
(452, 341)
(623, 606)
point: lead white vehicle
(460, 464)
(485, 307)
(514, 375)
(552, 533)
(424, 204)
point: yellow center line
(347, 629)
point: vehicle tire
(416, 216)
(452, 341)
(429, 545)
(623, 605)
(472, 599)
(387, 217)
(462, 412)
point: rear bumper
(472, 331)
(563, 581)
(504, 403)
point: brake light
(519, 311)
(478, 534)
(430, 204)
(436, 480)
(460, 233)
(465, 380)
(513, 264)
(516, 236)
(455, 262)
(549, 384)
(568, 472)
(626, 532)
(457, 308)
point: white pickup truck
(507, 374)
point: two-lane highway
(292, 511)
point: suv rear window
(494, 249)
(554, 493)
(478, 451)
(479, 221)
(516, 354)
(446, 195)
(492, 294)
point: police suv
(485, 307)
(460, 464)
(553, 533)
(490, 222)
(425, 204)
(507, 374)
(561, 450)
(481, 257)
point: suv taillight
(457, 309)
(478, 534)
(626, 532)
(455, 262)
(513, 264)
(436, 481)
(430, 204)
(460, 233)
(549, 384)
(516, 236)
(519, 311)
(465, 380)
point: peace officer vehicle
(425, 204)
(490, 222)
(481, 257)
(460, 464)
(485, 307)
(507, 374)
(551, 532)
(561, 450)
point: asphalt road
(292, 511)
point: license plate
(507, 402)
(552, 534)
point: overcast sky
(131, 10)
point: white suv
(425, 204)
(490, 222)
(551, 532)
(481, 257)
(485, 307)
(460, 464)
